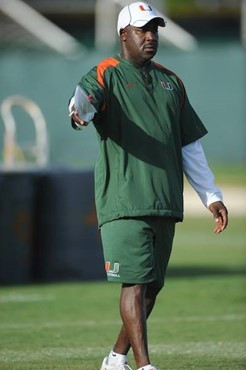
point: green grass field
(230, 174)
(198, 323)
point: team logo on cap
(141, 7)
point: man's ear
(123, 34)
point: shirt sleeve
(93, 89)
(88, 98)
(191, 126)
(198, 173)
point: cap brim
(143, 22)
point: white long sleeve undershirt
(195, 165)
(198, 173)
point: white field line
(233, 350)
(17, 298)
(214, 349)
(234, 199)
(98, 324)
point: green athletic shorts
(137, 250)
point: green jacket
(143, 119)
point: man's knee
(134, 287)
(151, 290)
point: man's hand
(220, 213)
(76, 118)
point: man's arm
(80, 109)
(88, 99)
(76, 122)
(201, 178)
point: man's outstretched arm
(80, 109)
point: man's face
(140, 43)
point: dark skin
(139, 46)
(220, 214)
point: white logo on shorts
(112, 272)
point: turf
(230, 174)
(198, 322)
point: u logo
(115, 269)
(167, 86)
(145, 9)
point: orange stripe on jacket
(102, 66)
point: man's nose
(150, 35)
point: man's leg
(143, 235)
(133, 314)
(136, 304)
(122, 344)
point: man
(149, 135)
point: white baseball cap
(138, 14)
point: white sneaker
(105, 366)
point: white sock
(116, 358)
(147, 367)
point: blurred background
(48, 228)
